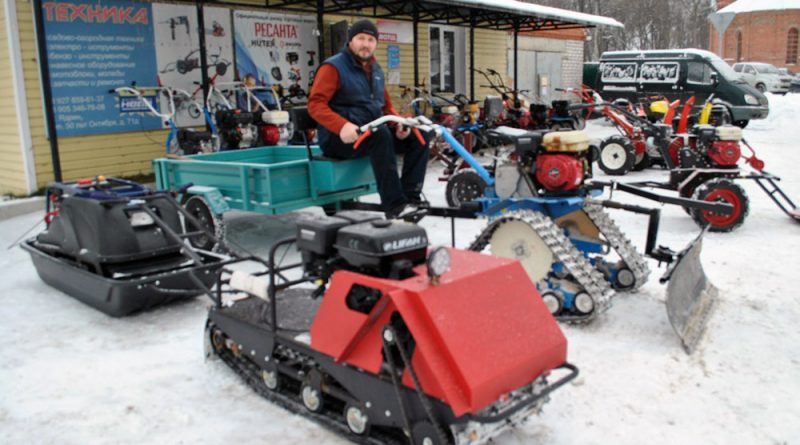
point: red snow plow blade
(690, 296)
(476, 336)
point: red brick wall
(723, 3)
(764, 37)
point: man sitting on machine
(348, 92)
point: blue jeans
(382, 147)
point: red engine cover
(559, 172)
(270, 134)
(477, 336)
(725, 153)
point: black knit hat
(364, 26)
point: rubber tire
(642, 163)
(761, 88)
(617, 142)
(199, 208)
(725, 116)
(464, 186)
(330, 209)
(194, 112)
(742, 123)
(732, 193)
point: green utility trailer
(268, 180)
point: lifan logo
(404, 243)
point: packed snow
(742, 6)
(72, 375)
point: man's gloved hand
(349, 133)
(402, 131)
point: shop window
(791, 47)
(446, 55)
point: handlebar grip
(361, 138)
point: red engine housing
(460, 325)
(725, 153)
(559, 172)
(270, 134)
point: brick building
(757, 31)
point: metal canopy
(504, 15)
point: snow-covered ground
(71, 375)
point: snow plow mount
(690, 295)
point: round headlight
(438, 262)
(750, 99)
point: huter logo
(404, 243)
(554, 173)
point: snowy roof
(699, 52)
(546, 12)
(741, 6)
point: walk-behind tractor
(542, 212)
(120, 247)
(252, 123)
(180, 141)
(704, 162)
(395, 350)
(634, 147)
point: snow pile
(783, 114)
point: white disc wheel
(356, 419)
(312, 399)
(553, 301)
(584, 304)
(516, 239)
(270, 379)
(625, 279)
(617, 156)
(614, 156)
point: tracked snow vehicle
(543, 212)
(395, 350)
(119, 247)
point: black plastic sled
(120, 247)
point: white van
(763, 76)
